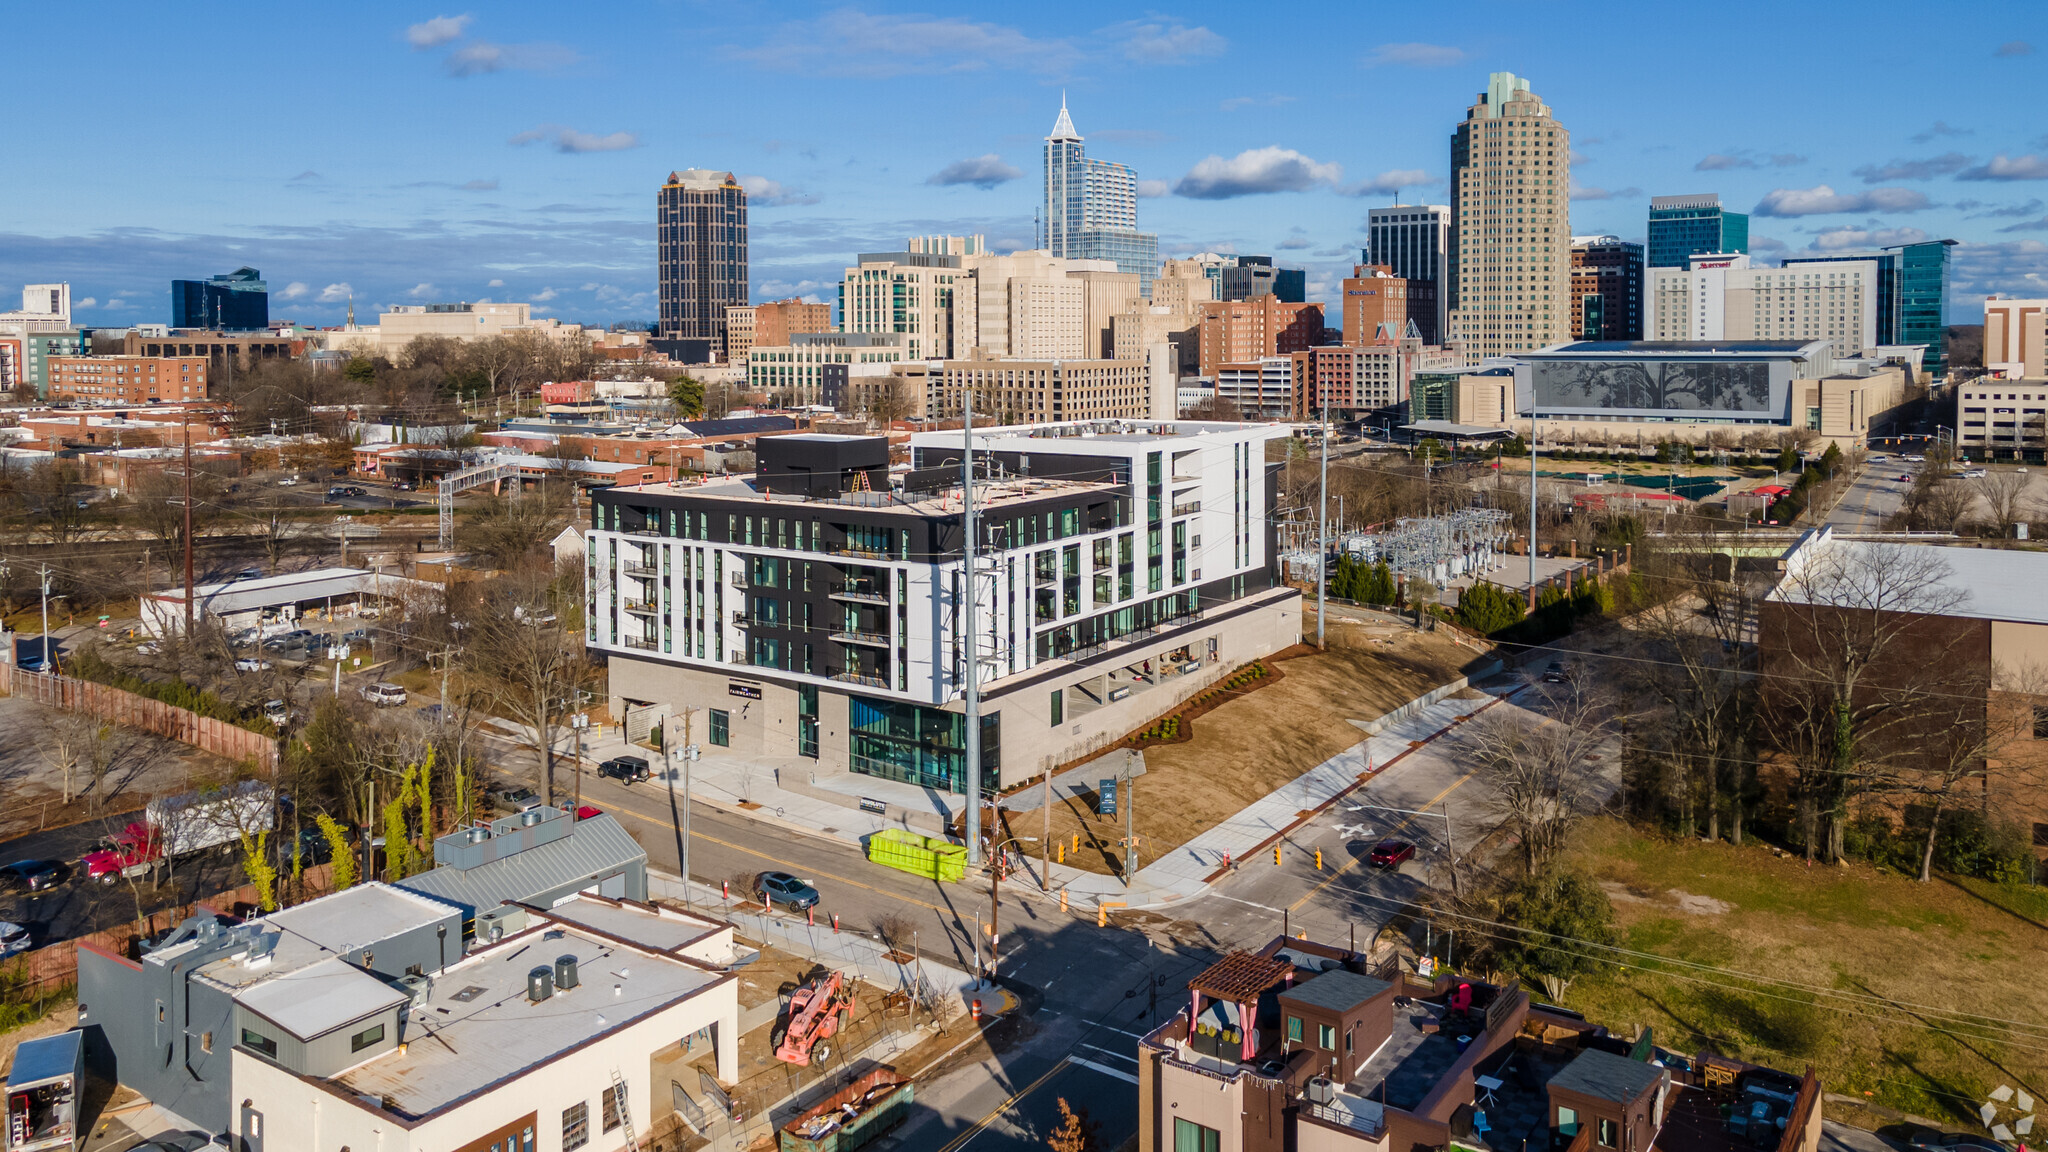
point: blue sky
(411, 152)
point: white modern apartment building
(41, 329)
(1722, 296)
(813, 367)
(815, 609)
(1262, 389)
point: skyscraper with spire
(1090, 210)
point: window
(1605, 1132)
(1326, 1037)
(1059, 708)
(372, 1035)
(206, 1041)
(576, 1125)
(614, 1106)
(2041, 835)
(1191, 1137)
(721, 728)
(2040, 722)
(1567, 1122)
(1294, 1028)
(257, 1042)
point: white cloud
(569, 140)
(296, 290)
(1254, 171)
(545, 295)
(116, 302)
(1822, 200)
(2003, 167)
(773, 194)
(848, 42)
(304, 177)
(1926, 169)
(335, 293)
(85, 302)
(1786, 159)
(1152, 189)
(419, 290)
(1294, 242)
(1759, 245)
(478, 186)
(482, 57)
(495, 284)
(436, 32)
(1390, 181)
(1589, 192)
(1849, 236)
(1415, 55)
(983, 172)
(1158, 42)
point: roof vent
(540, 984)
(479, 835)
(530, 818)
(565, 973)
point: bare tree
(1536, 769)
(1857, 660)
(1695, 671)
(529, 668)
(2005, 495)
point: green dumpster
(851, 1118)
(926, 856)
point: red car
(1390, 853)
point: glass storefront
(919, 745)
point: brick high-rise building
(116, 380)
(1378, 303)
(776, 322)
(702, 232)
(1607, 288)
(1510, 258)
(1245, 331)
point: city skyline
(431, 154)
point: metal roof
(316, 1000)
(1605, 1076)
(272, 591)
(736, 425)
(592, 849)
(1674, 347)
(1978, 583)
(1448, 428)
(45, 1058)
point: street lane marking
(1109, 1052)
(1105, 1069)
(1453, 786)
(975, 1129)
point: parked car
(296, 638)
(252, 664)
(771, 888)
(1391, 853)
(34, 875)
(519, 799)
(1974, 473)
(276, 712)
(288, 482)
(313, 846)
(13, 939)
(630, 769)
(403, 486)
(249, 574)
(382, 694)
(355, 636)
(1556, 673)
(1954, 1142)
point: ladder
(625, 1111)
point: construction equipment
(818, 1011)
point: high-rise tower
(1510, 259)
(702, 218)
(1090, 209)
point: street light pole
(1323, 532)
(971, 768)
(185, 417)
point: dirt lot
(138, 766)
(1254, 744)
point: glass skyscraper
(1685, 226)
(236, 302)
(1091, 208)
(1912, 295)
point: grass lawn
(1956, 945)
(1249, 746)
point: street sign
(1105, 797)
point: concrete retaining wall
(1375, 727)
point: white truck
(183, 824)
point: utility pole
(1532, 495)
(972, 701)
(185, 417)
(1045, 836)
(683, 835)
(1130, 802)
(48, 663)
(1323, 536)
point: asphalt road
(1875, 496)
(79, 906)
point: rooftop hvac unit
(565, 973)
(499, 922)
(417, 987)
(540, 984)
(1320, 1090)
(478, 835)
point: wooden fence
(140, 712)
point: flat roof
(476, 1027)
(1605, 1076)
(319, 998)
(940, 502)
(1673, 347)
(45, 1058)
(1338, 990)
(1978, 583)
(1448, 428)
(338, 923)
(662, 929)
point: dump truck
(182, 825)
(926, 856)
(853, 1117)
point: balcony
(863, 553)
(860, 678)
(1346, 1111)
(874, 639)
(648, 643)
(859, 594)
(642, 607)
(1187, 509)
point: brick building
(1244, 331)
(1607, 289)
(111, 381)
(1378, 303)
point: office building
(701, 218)
(1261, 389)
(739, 333)
(1411, 240)
(2016, 338)
(905, 293)
(1051, 391)
(46, 305)
(1034, 306)
(1322, 1048)
(808, 368)
(405, 323)
(1912, 294)
(1241, 331)
(1682, 227)
(1648, 391)
(1144, 325)
(1510, 260)
(1234, 277)
(1363, 381)
(811, 609)
(2002, 418)
(236, 302)
(1090, 207)
(1724, 297)
(1380, 305)
(777, 321)
(31, 336)
(974, 245)
(112, 381)
(1607, 288)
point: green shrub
(1486, 608)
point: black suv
(630, 769)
